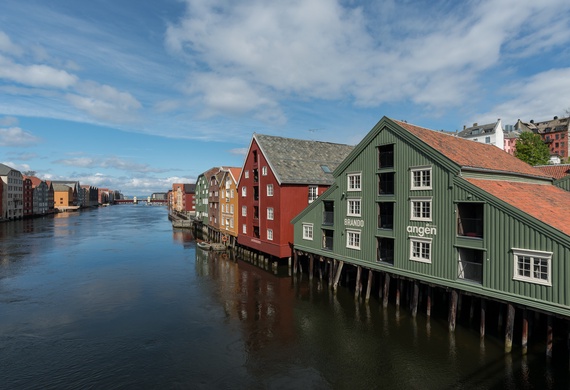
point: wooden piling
(429, 301)
(482, 322)
(358, 286)
(509, 327)
(398, 292)
(415, 299)
(524, 341)
(386, 290)
(338, 273)
(311, 266)
(549, 336)
(452, 310)
(369, 284)
(295, 262)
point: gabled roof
(477, 130)
(36, 181)
(189, 188)
(557, 171)
(5, 170)
(296, 161)
(472, 155)
(57, 187)
(553, 125)
(544, 202)
(235, 172)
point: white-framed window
(270, 190)
(313, 193)
(353, 239)
(231, 223)
(532, 266)
(420, 209)
(270, 234)
(247, 174)
(354, 182)
(420, 249)
(244, 229)
(231, 209)
(353, 208)
(243, 211)
(264, 171)
(244, 191)
(421, 178)
(270, 213)
(308, 231)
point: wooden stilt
(386, 290)
(321, 265)
(452, 310)
(369, 284)
(524, 340)
(509, 328)
(295, 262)
(358, 285)
(415, 299)
(482, 323)
(471, 310)
(398, 292)
(549, 336)
(311, 266)
(428, 301)
(500, 318)
(381, 286)
(338, 273)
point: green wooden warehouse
(437, 212)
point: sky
(136, 95)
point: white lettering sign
(353, 222)
(422, 231)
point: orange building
(229, 204)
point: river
(115, 298)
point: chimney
(532, 121)
(555, 117)
(475, 124)
(464, 127)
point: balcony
(470, 265)
(470, 220)
(328, 238)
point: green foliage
(531, 149)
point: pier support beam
(311, 266)
(398, 292)
(415, 299)
(524, 340)
(369, 284)
(358, 286)
(549, 336)
(295, 262)
(386, 290)
(509, 328)
(338, 273)
(482, 323)
(428, 301)
(452, 309)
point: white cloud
(104, 102)
(547, 93)
(107, 162)
(8, 121)
(329, 50)
(15, 136)
(7, 46)
(35, 75)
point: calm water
(114, 298)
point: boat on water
(211, 246)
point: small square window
(270, 190)
(420, 249)
(270, 213)
(264, 171)
(532, 266)
(421, 178)
(420, 209)
(270, 234)
(353, 209)
(308, 231)
(354, 182)
(353, 239)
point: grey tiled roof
(296, 161)
(5, 169)
(477, 130)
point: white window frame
(353, 239)
(351, 210)
(421, 202)
(247, 174)
(243, 191)
(270, 234)
(421, 171)
(264, 170)
(244, 211)
(313, 193)
(422, 241)
(244, 228)
(354, 182)
(308, 231)
(270, 214)
(533, 256)
(270, 190)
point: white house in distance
(491, 133)
(13, 193)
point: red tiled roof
(471, 154)
(544, 202)
(555, 171)
(235, 172)
(35, 180)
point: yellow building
(64, 197)
(229, 204)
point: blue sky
(135, 95)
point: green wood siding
(504, 227)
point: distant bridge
(157, 202)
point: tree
(29, 173)
(531, 149)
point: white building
(491, 133)
(12, 192)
